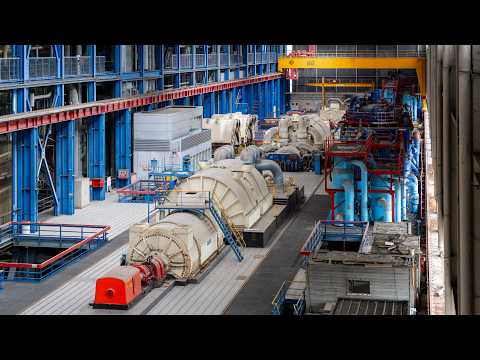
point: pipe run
(252, 155)
(364, 188)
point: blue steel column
(268, 97)
(25, 146)
(96, 153)
(251, 98)
(64, 159)
(278, 96)
(234, 99)
(65, 176)
(223, 102)
(123, 145)
(282, 96)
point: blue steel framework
(26, 72)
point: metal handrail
(9, 69)
(212, 60)
(362, 53)
(100, 64)
(74, 232)
(237, 235)
(200, 60)
(186, 61)
(42, 67)
(279, 299)
(171, 62)
(77, 65)
(223, 59)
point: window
(358, 287)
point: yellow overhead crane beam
(417, 63)
(340, 84)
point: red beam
(33, 119)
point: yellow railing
(236, 234)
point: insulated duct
(224, 152)
(252, 155)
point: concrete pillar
(465, 179)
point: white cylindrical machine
(183, 241)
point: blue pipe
(413, 193)
(364, 188)
(398, 201)
(382, 202)
(349, 197)
(404, 199)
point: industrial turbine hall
(282, 180)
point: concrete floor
(69, 291)
(283, 262)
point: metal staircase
(205, 201)
(233, 237)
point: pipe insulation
(224, 152)
(252, 155)
(349, 200)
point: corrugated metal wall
(327, 282)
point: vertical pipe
(465, 178)
(446, 162)
(398, 201)
(349, 198)
(438, 130)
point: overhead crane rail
(342, 84)
(32, 119)
(323, 62)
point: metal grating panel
(151, 145)
(370, 307)
(196, 139)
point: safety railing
(362, 53)
(250, 58)
(212, 60)
(347, 148)
(234, 59)
(223, 59)
(184, 200)
(142, 191)
(200, 60)
(279, 300)
(186, 61)
(223, 213)
(9, 69)
(79, 238)
(77, 66)
(171, 62)
(102, 65)
(371, 117)
(42, 67)
(333, 230)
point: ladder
(231, 234)
(237, 234)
